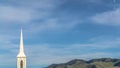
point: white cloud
(15, 14)
(51, 55)
(44, 53)
(99, 43)
(47, 54)
(41, 4)
(109, 17)
(52, 25)
(25, 11)
(35, 16)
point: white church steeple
(21, 52)
(21, 57)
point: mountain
(94, 63)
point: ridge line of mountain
(93, 63)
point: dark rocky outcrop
(117, 64)
(76, 61)
(103, 60)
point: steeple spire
(21, 52)
(21, 58)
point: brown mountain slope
(94, 63)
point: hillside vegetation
(94, 63)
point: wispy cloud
(51, 25)
(48, 54)
(14, 14)
(25, 11)
(33, 14)
(108, 18)
(37, 16)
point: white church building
(21, 57)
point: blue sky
(56, 31)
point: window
(21, 64)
